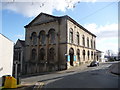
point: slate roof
(22, 42)
(57, 18)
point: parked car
(94, 63)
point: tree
(109, 54)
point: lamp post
(16, 66)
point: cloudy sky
(98, 16)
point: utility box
(10, 82)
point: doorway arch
(71, 53)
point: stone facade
(19, 51)
(57, 43)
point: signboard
(74, 58)
(68, 58)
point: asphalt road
(90, 77)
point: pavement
(29, 82)
(114, 68)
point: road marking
(38, 85)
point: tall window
(92, 54)
(42, 37)
(88, 55)
(33, 54)
(78, 55)
(78, 40)
(42, 54)
(51, 35)
(71, 35)
(34, 38)
(83, 40)
(91, 44)
(51, 54)
(87, 41)
(83, 54)
(94, 45)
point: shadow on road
(100, 78)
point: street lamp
(16, 66)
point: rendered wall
(6, 56)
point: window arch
(42, 37)
(71, 35)
(87, 41)
(83, 54)
(34, 38)
(33, 54)
(78, 40)
(42, 54)
(51, 34)
(83, 39)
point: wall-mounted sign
(68, 58)
(74, 58)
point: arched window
(92, 54)
(78, 40)
(42, 54)
(34, 38)
(42, 37)
(71, 35)
(52, 54)
(71, 53)
(83, 39)
(87, 41)
(91, 43)
(83, 54)
(88, 54)
(51, 36)
(33, 54)
(94, 45)
(78, 54)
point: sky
(98, 16)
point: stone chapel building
(57, 43)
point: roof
(80, 26)
(22, 42)
(6, 37)
(99, 51)
(66, 16)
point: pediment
(41, 18)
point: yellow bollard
(10, 82)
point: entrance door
(71, 59)
(71, 53)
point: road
(89, 77)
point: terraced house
(57, 43)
